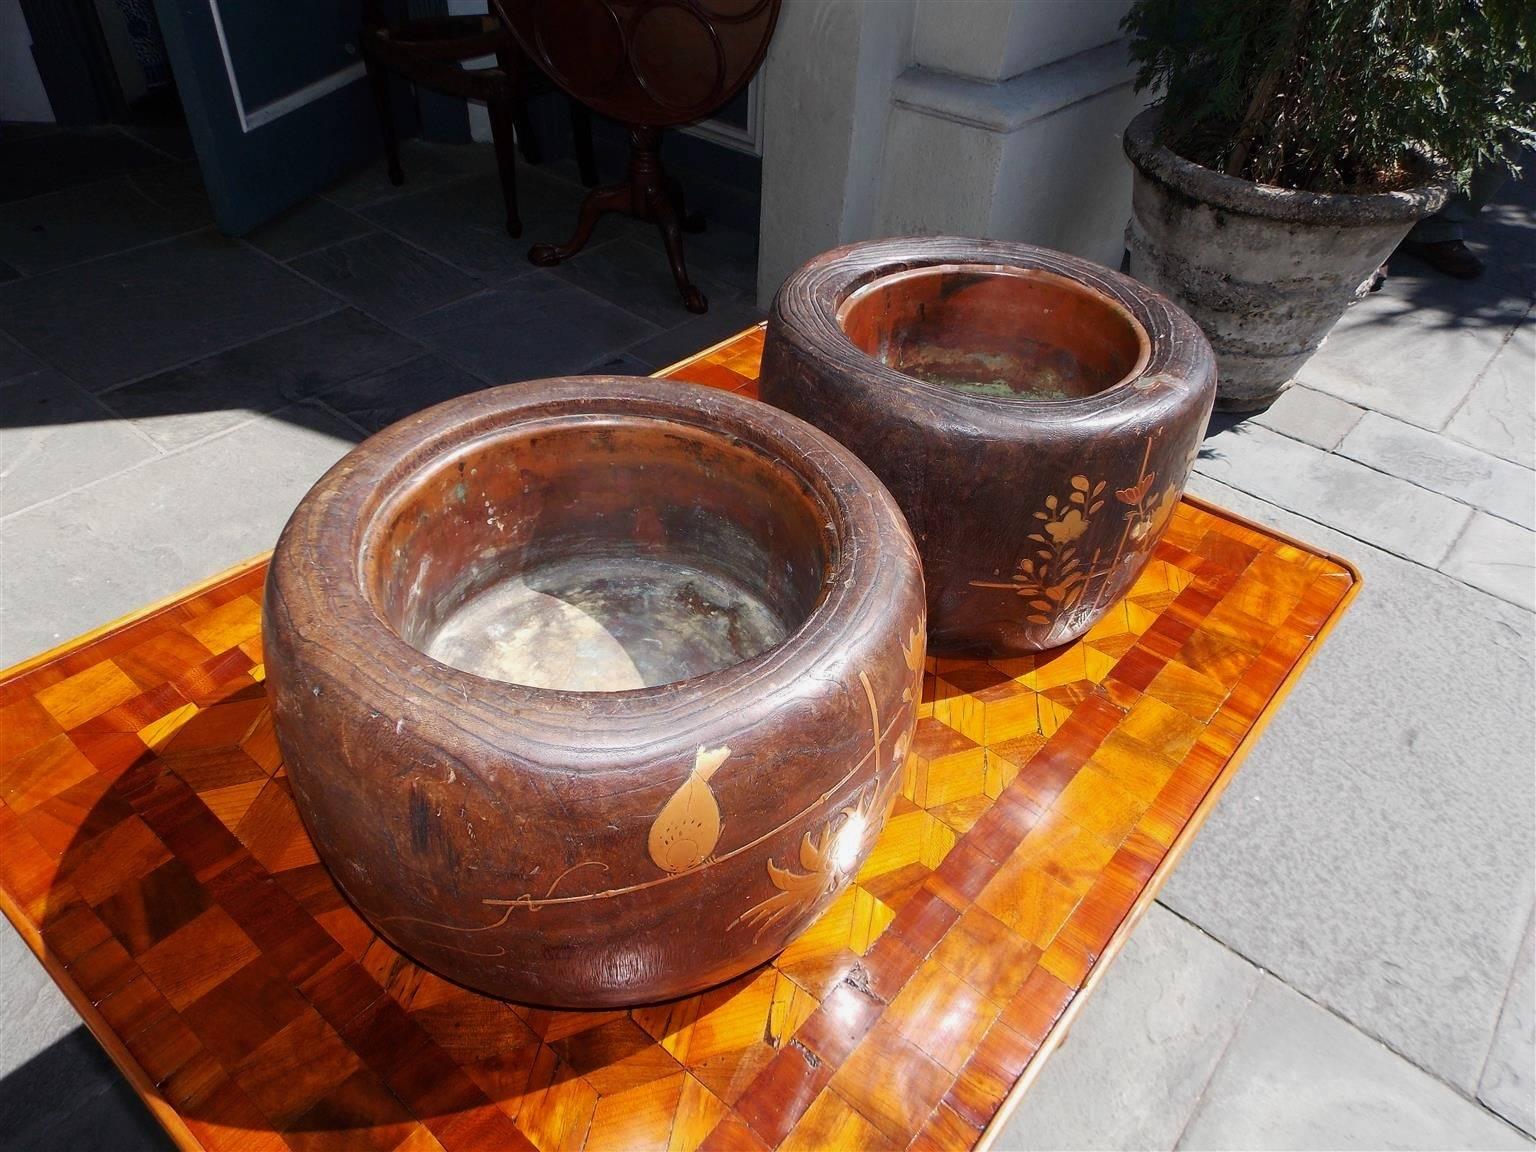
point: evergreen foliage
(1339, 95)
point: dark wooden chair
(428, 52)
(650, 65)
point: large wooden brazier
(594, 691)
(1035, 416)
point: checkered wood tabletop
(151, 855)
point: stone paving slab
(1445, 466)
(1498, 557)
(536, 325)
(55, 436)
(214, 394)
(1131, 1071)
(1375, 850)
(34, 1014)
(1312, 417)
(110, 548)
(75, 224)
(15, 360)
(1499, 415)
(1390, 513)
(1297, 1076)
(151, 308)
(1508, 1085)
(1415, 349)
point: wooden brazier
(594, 691)
(1034, 415)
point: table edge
(1170, 861)
(170, 1118)
(163, 1110)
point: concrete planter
(1266, 272)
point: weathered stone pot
(1266, 272)
(1035, 416)
(742, 585)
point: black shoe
(1452, 257)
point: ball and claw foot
(514, 227)
(544, 255)
(396, 175)
(694, 300)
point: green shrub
(1337, 95)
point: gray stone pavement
(1344, 957)
(1349, 940)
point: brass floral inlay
(688, 826)
(1054, 578)
(829, 857)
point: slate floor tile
(54, 437)
(378, 399)
(7, 272)
(115, 1110)
(49, 158)
(35, 1017)
(1508, 1083)
(724, 319)
(15, 360)
(385, 276)
(1312, 417)
(137, 312)
(1390, 513)
(81, 223)
(636, 277)
(99, 1110)
(623, 364)
(426, 165)
(1414, 349)
(1498, 557)
(1381, 833)
(177, 188)
(1296, 1076)
(312, 225)
(108, 549)
(464, 222)
(1445, 466)
(1499, 415)
(169, 135)
(1143, 1047)
(534, 326)
(726, 255)
(207, 396)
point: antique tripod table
(151, 856)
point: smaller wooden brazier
(1034, 415)
(594, 691)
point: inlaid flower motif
(827, 859)
(1068, 528)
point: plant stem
(1264, 90)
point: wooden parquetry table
(152, 857)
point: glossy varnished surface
(1034, 415)
(151, 854)
(600, 849)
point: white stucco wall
(997, 118)
(993, 40)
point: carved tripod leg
(613, 198)
(378, 81)
(665, 215)
(690, 221)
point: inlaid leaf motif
(687, 828)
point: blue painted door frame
(275, 98)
